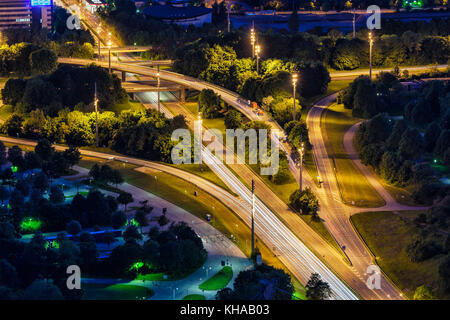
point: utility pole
(354, 29)
(370, 53)
(301, 151)
(253, 219)
(294, 89)
(253, 40)
(96, 114)
(159, 94)
(200, 135)
(99, 41)
(228, 16)
(257, 52)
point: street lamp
(200, 135)
(96, 115)
(257, 51)
(109, 55)
(301, 151)
(370, 53)
(253, 41)
(159, 94)
(294, 87)
(99, 41)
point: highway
(334, 214)
(293, 253)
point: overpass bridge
(128, 49)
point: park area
(354, 187)
(387, 235)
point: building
(15, 14)
(93, 5)
(26, 14)
(184, 15)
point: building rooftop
(173, 13)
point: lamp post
(159, 94)
(354, 28)
(294, 88)
(109, 55)
(301, 151)
(96, 115)
(253, 41)
(257, 52)
(370, 54)
(200, 135)
(228, 16)
(99, 41)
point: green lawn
(217, 123)
(5, 111)
(387, 235)
(219, 280)
(206, 173)
(194, 297)
(129, 105)
(151, 277)
(115, 292)
(353, 186)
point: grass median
(353, 185)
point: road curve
(333, 211)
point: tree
(74, 227)
(17, 199)
(393, 141)
(131, 233)
(141, 218)
(13, 125)
(151, 251)
(305, 202)
(431, 135)
(423, 293)
(57, 195)
(118, 219)
(411, 145)
(12, 93)
(389, 166)
(125, 198)
(444, 274)
(313, 79)
(43, 61)
(15, 156)
(44, 149)
(262, 283)
(210, 103)
(293, 22)
(233, 119)
(41, 182)
(108, 238)
(3, 153)
(42, 290)
(317, 289)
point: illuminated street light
(109, 54)
(257, 52)
(99, 41)
(200, 129)
(159, 94)
(301, 152)
(253, 41)
(370, 53)
(294, 87)
(96, 115)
